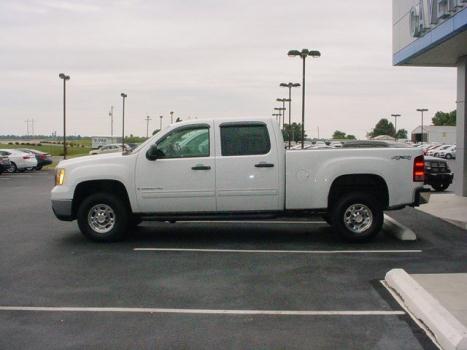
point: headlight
(59, 177)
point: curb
(396, 229)
(448, 331)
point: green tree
(340, 135)
(401, 134)
(294, 131)
(383, 127)
(442, 118)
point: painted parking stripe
(203, 311)
(257, 222)
(278, 251)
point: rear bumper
(422, 196)
(438, 178)
(63, 209)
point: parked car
(437, 173)
(434, 152)
(448, 153)
(20, 161)
(111, 148)
(42, 158)
(4, 162)
(232, 169)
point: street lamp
(290, 86)
(65, 78)
(171, 117)
(422, 110)
(395, 116)
(111, 115)
(304, 54)
(147, 126)
(283, 100)
(160, 128)
(277, 115)
(281, 111)
(124, 96)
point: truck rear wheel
(103, 217)
(357, 217)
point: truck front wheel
(103, 217)
(357, 217)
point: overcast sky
(206, 58)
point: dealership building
(433, 33)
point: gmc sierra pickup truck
(235, 169)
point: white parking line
(203, 311)
(257, 222)
(277, 251)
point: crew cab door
(182, 179)
(247, 167)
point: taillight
(42, 156)
(419, 169)
(26, 157)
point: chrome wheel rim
(101, 218)
(358, 218)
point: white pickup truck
(235, 169)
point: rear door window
(244, 140)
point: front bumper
(422, 196)
(63, 209)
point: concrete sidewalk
(449, 207)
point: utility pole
(111, 115)
(160, 128)
(422, 110)
(27, 126)
(124, 96)
(32, 127)
(395, 116)
(147, 126)
(64, 77)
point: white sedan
(20, 161)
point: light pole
(290, 86)
(171, 117)
(124, 96)
(281, 111)
(277, 115)
(65, 78)
(395, 116)
(304, 54)
(422, 110)
(111, 115)
(160, 128)
(147, 126)
(283, 100)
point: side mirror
(154, 153)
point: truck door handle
(201, 167)
(264, 165)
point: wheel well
(86, 188)
(369, 183)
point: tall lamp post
(160, 128)
(422, 110)
(281, 111)
(171, 117)
(283, 100)
(147, 126)
(65, 78)
(290, 86)
(124, 96)
(111, 115)
(304, 54)
(395, 116)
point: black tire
(121, 217)
(12, 169)
(448, 156)
(364, 203)
(39, 167)
(440, 187)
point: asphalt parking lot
(206, 285)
